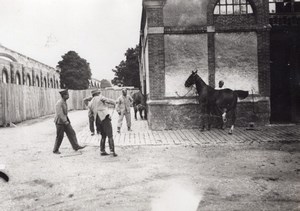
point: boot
(112, 147)
(118, 129)
(102, 147)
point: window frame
(221, 8)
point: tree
(127, 72)
(75, 71)
(104, 83)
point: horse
(214, 101)
(139, 105)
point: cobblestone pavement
(142, 135)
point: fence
(19, 103)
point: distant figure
(92, 120)
(63, 124)
(139, 105)
(221, 84)
(99, 106)
(123, 109)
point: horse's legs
(209, 118)
(224, 115)
(145, 113)
(233, 116)
(140, 111)
(135, 111)
(203, 117)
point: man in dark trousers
(63, 124)
(99, 106)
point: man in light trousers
(123, 109)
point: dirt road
(264, 176)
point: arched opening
(37, 81)
(18, 78)
(45, 83)
(57, 86)
(7, 57)
(51, 83)
(233, 7)
(4, 76)
(28, 80)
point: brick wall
(166, 116)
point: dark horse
(215, 101)
(139, 105)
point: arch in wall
(51, 83)
(18, 78)
(57, 86)
(45, 82)
(4, 76)
(233, 7)
(9, 57)
(28, 80)
(37, 80)
(256, 6)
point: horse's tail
(241, 94)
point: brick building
(16, 68)
(249, 44)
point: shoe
(80, 147)
(113, 154)
(56, 152)
(118, 130)
(129, 129)
(103, 153)
(92, 134)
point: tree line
(75, 72)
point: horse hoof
(230, 133)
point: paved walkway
(142, 135)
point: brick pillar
(154, 14)
(263, 55)
(211, 58)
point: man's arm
(108, 100)
(87, 100)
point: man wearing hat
(63, 124)
(99, 106)
(221, 84)
(87, 101)
(123, 109)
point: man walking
(99, 106)
(123, 109)
(63, 124)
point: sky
(100, 31)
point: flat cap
(96, 91)
(63, 92)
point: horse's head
(191, 79)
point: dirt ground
(265, 176)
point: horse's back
(138, 98)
